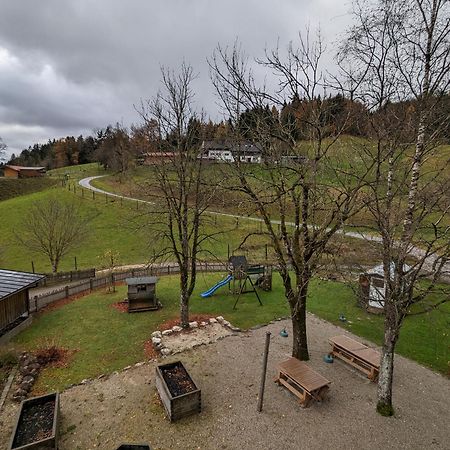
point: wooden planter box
(134, 447)
(178, 392)
(38, 419)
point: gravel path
(125, 407)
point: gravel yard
(125, 407)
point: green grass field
(108, 340)
(12, 187)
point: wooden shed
(142, 294)
(23, 172)
(372, 287)
(14, 297)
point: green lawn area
(116, 225)
(108, 340)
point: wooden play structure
(244, 277)
(142, 294)
(302, 381)
(363, 358)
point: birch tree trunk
(385, 379)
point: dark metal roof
(12, 281)
(141, 280)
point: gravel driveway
(125, 406)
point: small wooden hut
(14, 297)
(142, 294)
(372, 287)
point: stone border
(16, 330)
(157, 336)
(7, 387)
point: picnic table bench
(302, 381)
(365, 359)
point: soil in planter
(36, 423)
(178, 381)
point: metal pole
(263, 375)
(32, 266)
(76, 268)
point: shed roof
(141, 280)
(19, 168)
(12, 281)
(379, 270)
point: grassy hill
(11, 187)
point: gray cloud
(68, 67)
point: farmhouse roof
(19, 168)
(12, 281)
(141, 280)
(227, 145)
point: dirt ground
(125, 406)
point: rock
(156, 340)
(28, 379)
(212, 320)
(176, 329)
(225, 323)
(235, 329)
(193, 324)
(139, 364)
(167, 332)
(156, 334)
(220, 319)
(127, 368)
(203, 324)
(26, 387)
(165, 351)
(85, 381)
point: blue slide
(221, 283)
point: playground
(126, 406)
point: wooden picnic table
(364, 358)
(302, 381)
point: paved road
(415, 251)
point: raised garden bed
(37, 424)
(178, 392)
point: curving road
(415, 251)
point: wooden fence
(61, 277)
(39, 301)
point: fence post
(66, 289)
(32, 266)
(266, 252)
(91, 287)
(168, 269)
(93, 195)
(76, 265)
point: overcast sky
(67, 67)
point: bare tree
(53, 227)
(299, 183)
(178, 184)
(3, 148)
(402, 50)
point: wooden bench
(302, 381)
(365, 359)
